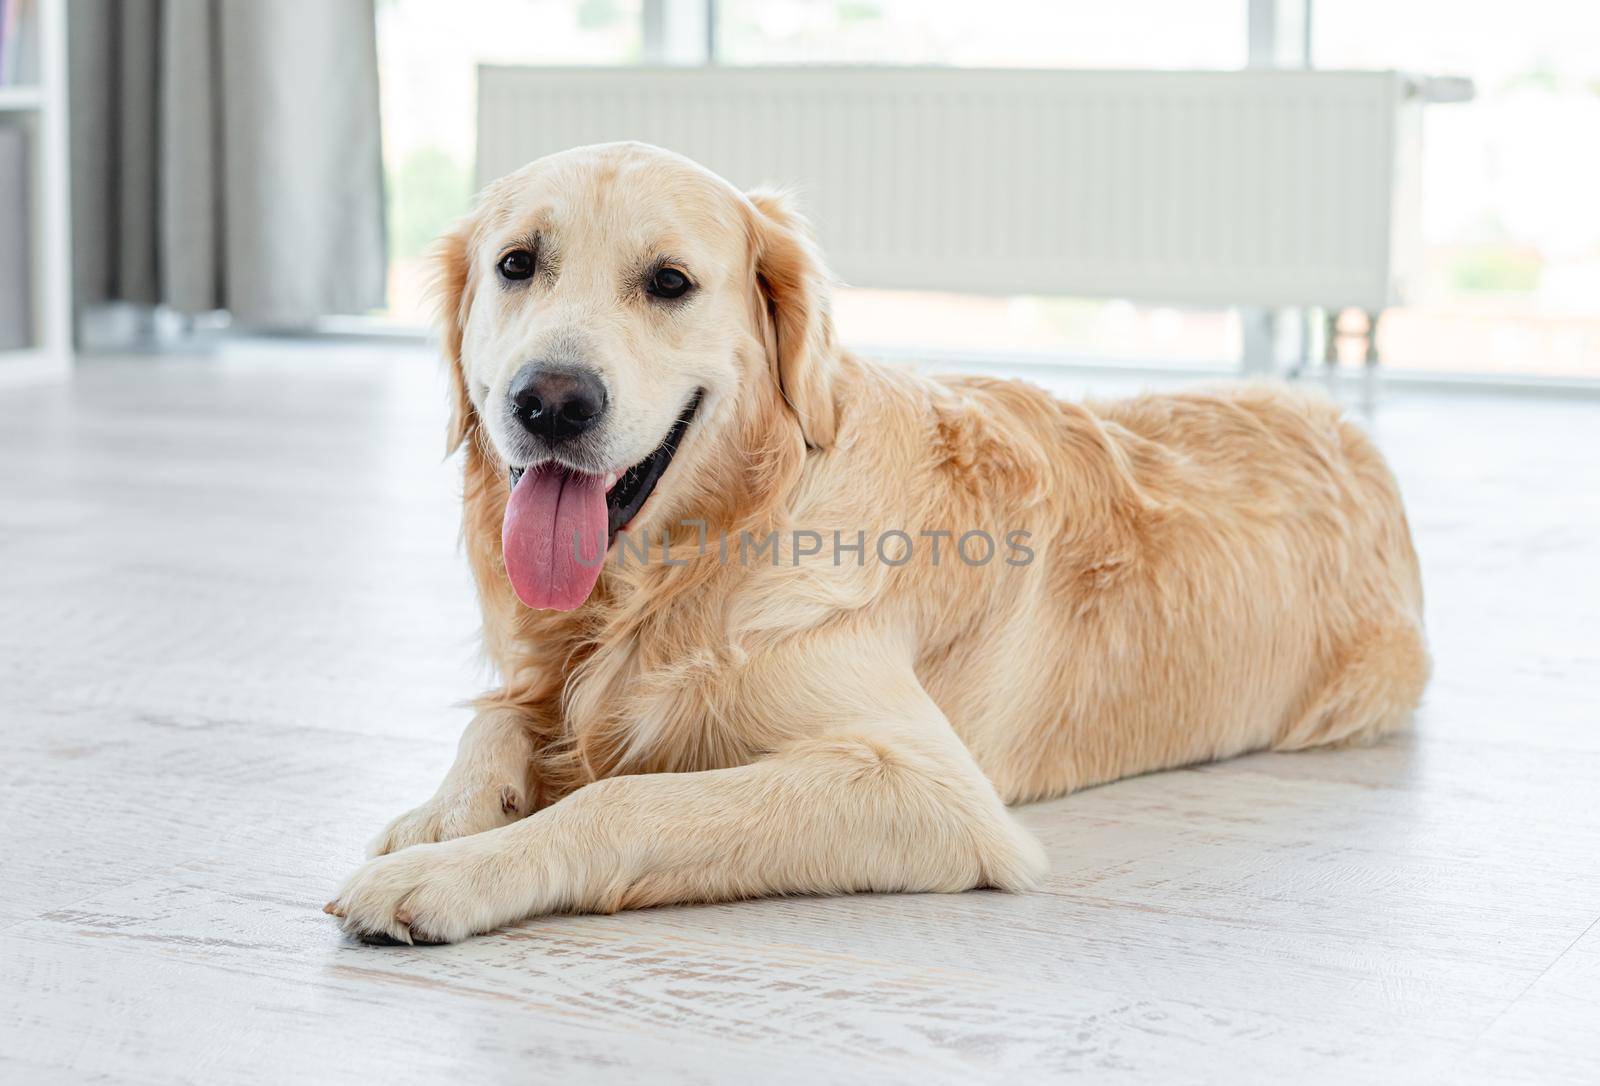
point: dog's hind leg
(1372, 692)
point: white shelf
(21, 99)
(42, 108)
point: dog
(773, 619)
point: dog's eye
(668, 283)
(517, 264)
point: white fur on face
(602, 220)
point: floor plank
(236, 631)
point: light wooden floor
(234, 628)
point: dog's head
(616, 317)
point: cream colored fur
(1213, 573)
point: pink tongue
(554, 537)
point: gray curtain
(225, 155)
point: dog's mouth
(560, 522)
(627, 495)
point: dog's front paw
(438, 893)
(458, 814)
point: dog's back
(1210, 573)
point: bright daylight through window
(1510, 270)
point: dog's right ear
(452, 297)
(793, 286)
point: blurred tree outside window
(1511, 281)
(428, 55)
(1511, 219)
(429, 52)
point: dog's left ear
(451, 297)
(794, 291)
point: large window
(1512, 227)
(1511, 215)
(429, 52)
(1005, 34)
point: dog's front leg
(488, 786)
(888, 804)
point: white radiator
(1208, 188)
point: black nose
(556, 403)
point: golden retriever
(855, 611)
